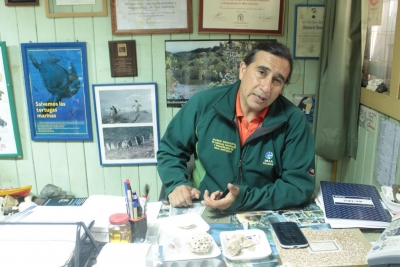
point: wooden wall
(362, 169)
(75, 166)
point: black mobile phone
(224, 194)
(289, 235)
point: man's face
(262, 81)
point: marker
(139, 208)
(129, 184)
(135, 213)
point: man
(245, 137)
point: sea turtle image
(58, 81)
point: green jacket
(273, 169)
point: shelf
(381, 102)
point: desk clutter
(14, 200)
(156, 234)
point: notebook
(348, 205)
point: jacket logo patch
(269, 156)
(223, 145)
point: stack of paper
(349, 205)
(42, 244)
(118, 254)
(385, 251)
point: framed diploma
(309, 24)
(241, 17)
(147, 17)
(123, 58)
(10, 143)
(75, 8)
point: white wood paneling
(75, 166)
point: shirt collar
(239, 112)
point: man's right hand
(182, 196)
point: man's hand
(214, 202)
(182, 196)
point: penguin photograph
(127, 123)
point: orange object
(15, 192)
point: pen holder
(139, 229)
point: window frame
(387, 103)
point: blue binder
(347, 201)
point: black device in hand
(289, 235)
(224, 194)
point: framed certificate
(309, 24)
(241, 17)
(147, 17)
(75, 8)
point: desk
(310, 216)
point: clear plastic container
(119, 230)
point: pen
(131, 210)
(135, 205)
(127, 199)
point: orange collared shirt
(246, 128)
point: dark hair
(274, 48)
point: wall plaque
(123, 58)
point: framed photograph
(238, 17)
(57, 91)
(123, 61)
(22, 2)
(10, 143)
(197, 65)
(309, 23)
(148, 17)
(75, 8)
(127, 123)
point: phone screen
(289, 235)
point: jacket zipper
(240, 170)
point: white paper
(368, 119)
(387, 153)
(34, 253)
(103, 207)
(375, 12)
(45, 232)
(118, 254)
(44, 245)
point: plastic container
(119, 230)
